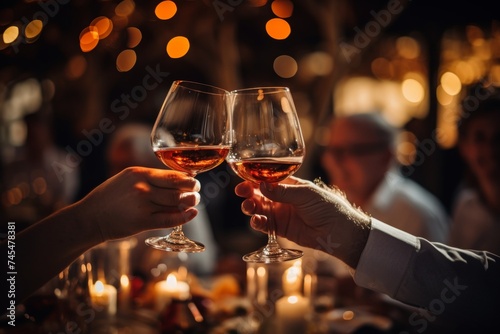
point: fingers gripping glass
(266, 146)
(190, 135)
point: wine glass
(267, 146)
(190, 135)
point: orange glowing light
(165, 10)
(33, 29)
(10, 34)
(278, 28)
(103, 26)
(126, 60)
(89, 37)
(177, 47)
(134, 37)
(282, 8)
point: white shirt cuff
(384, 260)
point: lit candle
(169, 289)
(103, 297)
(261, 285)
(124, 293)
(251, 284)
(291, 314)
(292, 279)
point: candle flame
(124, 281)
(171, 281)
(99, 287)
(293, 299)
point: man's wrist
(360, 232)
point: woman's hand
(138, 199)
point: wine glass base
(188, 246)
(282, 255)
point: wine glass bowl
(190, 135)
(266, 146)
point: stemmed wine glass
(267, 146)
(190, 135)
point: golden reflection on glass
(282, 8)
(126, 60)
(165, 10)
(285, 66)
(278, 28)
(134, 37)
(177, 47)
(10, 34)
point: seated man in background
(360, 159)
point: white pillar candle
(291, 314)
(169, 289)
(103, 297)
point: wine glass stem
(177, 235)
(272, 246)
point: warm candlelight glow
(292, 279)
(99, 287)
(103, 297)
(169, 289)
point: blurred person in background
(360, 159)
(130, 145)
(476, 209)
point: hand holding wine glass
(267, 146)
(190, 135)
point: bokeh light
(102, 25)
(412, 90)
(177, 47)
(89, 38)
(165, 10)
(10, 34)
(278, 28)
(282, 8)
(125, 8)
(134, 37)
(126, 60)
(33, 29)
(451, 83)
(285, 66)
(76, 67)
